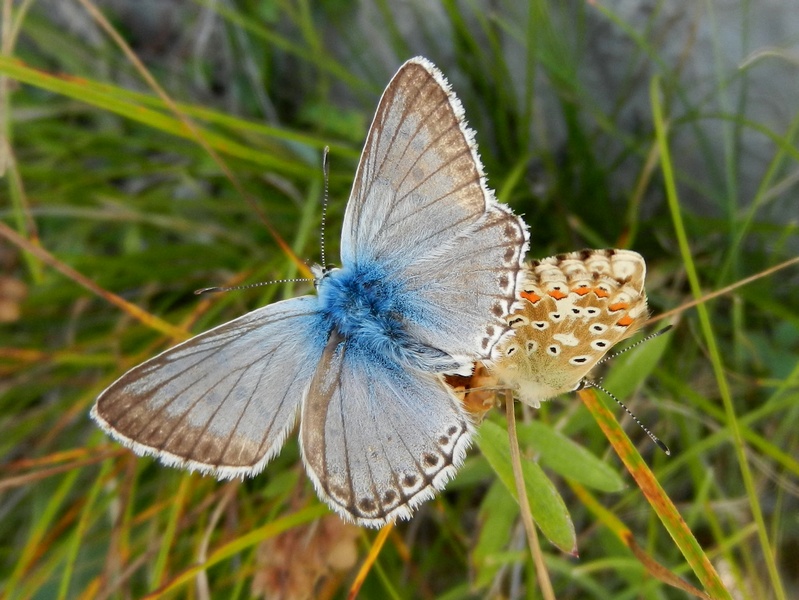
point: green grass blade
(660, 502)
(661, 130)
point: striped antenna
(587, 383)
(246, 287)
(651, 336)
(326, 172)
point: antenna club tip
(663, 447)
(202, 291)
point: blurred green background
(566, 98)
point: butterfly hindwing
(378, 439)
(223, 401)
(464, 295)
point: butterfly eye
(600, 344)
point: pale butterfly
(431, 264)
(575, 307)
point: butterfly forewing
(378, 440)
(575, 307)
(224, 400)
(420, 207)
(419, 179)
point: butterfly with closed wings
(575, 308)
(431, 264)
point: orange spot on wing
(531, 296)
(581, 291)
(556, 294)
(618, 306)
(601, 293)
(625, 321)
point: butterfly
(575, 308)
(431, 263)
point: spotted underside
(576, 307)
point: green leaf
(547, 506)
(567, 458)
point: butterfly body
(431, 263)
(370, 309)
(576, 307)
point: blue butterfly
(431, 264)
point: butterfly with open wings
(431, 265)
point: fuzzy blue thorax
(370, 310)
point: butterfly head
(320, 272)
(576, 306)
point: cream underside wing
(379, 430)
(576, 307)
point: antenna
(638, 343)
(587, 383)
(326, 172)
(246, 287)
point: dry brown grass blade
(544, 582)
(31, 478)
(369, 561)
(623, 533)
(663, 506)
(725, 290)
(130, 309)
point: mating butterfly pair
(432, 281)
